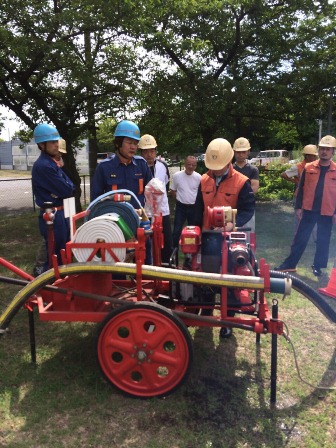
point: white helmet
(241, 144)
(218, 154)
(310, 149)
(328, 141)
(147, 142)
(62, 146)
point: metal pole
(330, 110)
(32, 336)
(320, 129)
(84, 177)
(274, 355)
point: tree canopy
(188, 71)
(261, 69)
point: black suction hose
(310, 293)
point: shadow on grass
(225, 402)
(63, 401)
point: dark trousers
(183, 213)
(308, 221)
(61, 227)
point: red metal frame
(95, 296)
(72, 308)
(55, 306)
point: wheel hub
(141, 355)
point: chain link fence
(16, 195)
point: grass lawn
(14, 173)
(63, 401)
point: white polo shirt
(186, 186)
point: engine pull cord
(288, 339)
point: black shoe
(283, 268)
(38, 270)
(225, 333)
(207, 312)
(316, 271)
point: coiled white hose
(102, 228)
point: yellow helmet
(241, 144)
(62, 146)
(218, 154)
(328, 141)
(310, 149)
(147, 142)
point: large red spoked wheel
(144, 350)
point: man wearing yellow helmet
(241, 148)
(148, 149)
(315, 204)
(294, 172)
(223, 186)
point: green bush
(272, 186)
(201, 168)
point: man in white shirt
(184, 188)
(159, 169)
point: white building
(16, 155)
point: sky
(10, 124)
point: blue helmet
(44, 132)
(127, 129)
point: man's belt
(184, 205)
(60, 207)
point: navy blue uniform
(112, 174)
(51, 184)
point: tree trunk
(71, 171)
(90, 108)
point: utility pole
(330, 111)
(319, 122)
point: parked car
(166, 160)
(264, 158)
(103, 155)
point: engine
(216, 251)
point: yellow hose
(152, 272)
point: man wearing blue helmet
(123, 170)
(51, 184)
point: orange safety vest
(225, 195)
(300, 167)
(312, 174)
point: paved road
(16, 193)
